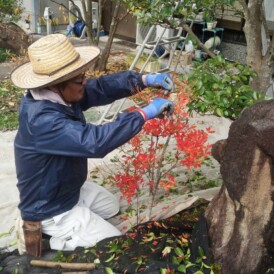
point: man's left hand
(159, 80)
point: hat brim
(24, 77)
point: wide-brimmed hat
(53, 59)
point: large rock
(241, 216)
(14, 38)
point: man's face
(74, 89)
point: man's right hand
(157, 108)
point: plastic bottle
(189, 47)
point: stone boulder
(14, 38)
(241, 217)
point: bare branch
(79, 16)
(201, 45)
(74, 266)
(187, 28)
(243, 4)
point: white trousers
(84, 225)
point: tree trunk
(14, 38)
(260, 59)
(101, 4)
(87, 10)
(113, 27)
(241, 217)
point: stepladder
(170, 43)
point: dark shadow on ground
(141, 250)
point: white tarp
(9, 194)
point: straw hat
(53, 59)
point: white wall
(269, 10)
(35, 9)
(28, 13)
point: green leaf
(201, 252)
(215, 86)
(198, 84)
(201, 91)
(109, 270)
(255, 95)
(219, 112)
(179, 251)
(177, 260)
(110, 258)
(229, 90)
(244, 79)
(206, 266)
(163, 271)
(226, 113)
(113, 247)
(236, 77)
(203, 108)
(166, 250)
(182, 268)
(97, 261)
(189, 264)
(225, 100)
(93, 251)
(209, 93)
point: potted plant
(211, 21)
(210, 14)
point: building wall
(269, 10)
(126, 28)
(34, 12)
(27, 14)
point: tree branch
(158, 174)
(75, 266)
(69, 10)
(243, 4)
(187, 28)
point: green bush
(11, 10)
(5, 55)
(9, 102)
(221, 88)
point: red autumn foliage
(150, 159)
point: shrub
(9, 102)
(221, 88)
(5, 55)
(154, 158)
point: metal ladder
(170, 44)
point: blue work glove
(160, 80)
(157, 108)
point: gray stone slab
(6, 69)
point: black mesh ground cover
(147, 248)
